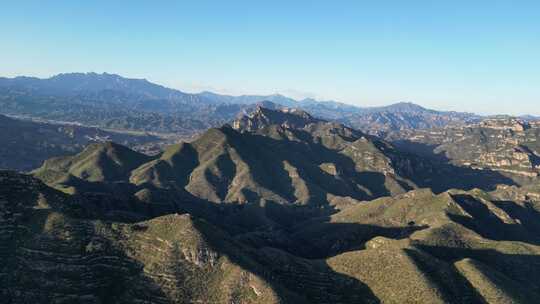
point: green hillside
(454, 247)
(278, 207)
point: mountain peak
(266, 104)
(264, 116)
(402, 106)
(97, 162)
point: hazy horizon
(285, 94)
(470, 57)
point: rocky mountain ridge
(281, 156)
(507, 145)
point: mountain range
(111, 101)
(501, 144)
(273, 155)
(136, 193)
(276, 207)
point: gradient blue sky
(480, 56)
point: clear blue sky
(481, 56)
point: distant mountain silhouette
(112, 101)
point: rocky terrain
(278, 206)
(454, 247)
(505, 145)
(282, 156)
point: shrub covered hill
(278, 207)
(281, 156)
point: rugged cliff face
(263, 117)
(504, 145)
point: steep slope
(54, 257)
(51, 255)
(100, 162)
(507, 145)
(264, 116)
(454, 247)
(281, 156)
